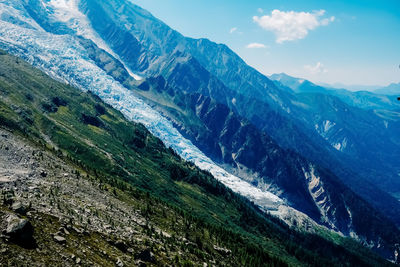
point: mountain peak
(392, 89)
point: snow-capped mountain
(239, 120)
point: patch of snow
(317, 192)
(302, 105)
(135, 76)
(324, 128)
(341, 145)
(337, 146)
(327, 125)
(350, 224)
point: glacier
(63, 58)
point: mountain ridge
(392, 89)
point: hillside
(97, 189)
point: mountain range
(315, 157)
(392, 89)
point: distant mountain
(366, 108)
(296, 84)
(361, 99)
(392, 89)
(351, 87)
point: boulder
(60, 239)
(121, 245)
(14, 224)
(65, 231)
(18, 207)
(20, 231)
(119, 263)
(146, 255)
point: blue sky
(348, 42)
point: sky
(354, 42)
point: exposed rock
(20, 231)
(14, 224)
(396, 254)
(64, 231)
(120, 245)
(140, 263)
(147, 256)
(18, 207)
(60, 239)
(76, 230)
(222, 250)
(59, 233)
(119, 263)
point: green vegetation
(88, 134)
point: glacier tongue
(62, 57)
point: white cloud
(260, 10)
(291, 25)
(233, 30)
(326, 21)
(317, 69)
(256, 45)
